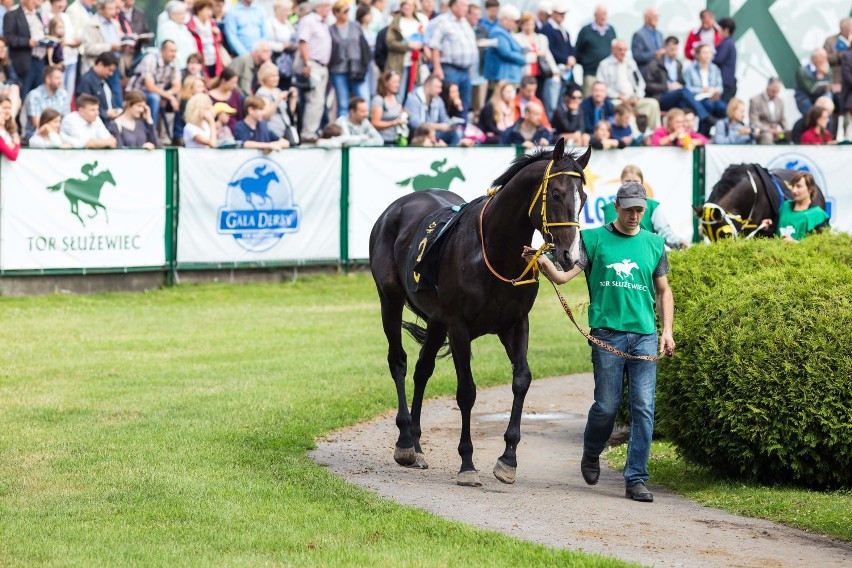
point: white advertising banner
(379, 176)
(83, 209)
(241, 206)
(830, 166)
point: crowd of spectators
(387, 72)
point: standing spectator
(647, 43)
(157, 76)
(10, 140)
(568, 120)
(489, 20)
(80, 12)
(5, 6)
(726, 58)
(23, 29)
(253, 132)
(84, 128)
(708, 33)
(219, 20)
(813, 80)
(664, 81)
(766, 113)
(363, 17)
(425, 106)
(102, 35)
(356, 127)
(676, 132)
(704, 80)
(454, 51)
(280, 105)
(542, 14)
(247, 65)
(625, 84)
(55, 38)
(529, 130)
(734, 130)
(525, 96)
(386, 112)
(315, 50)
(138, 23)
(223, 89)
(540, 62)
(835, 46)
(594, 44)
(70, 44)
(479, 86)
(208, 38)
(596, 107)
(350, 56)
(174, 29)
(10, 84)
(50, 94)
(134, 127)
(245, 25)
(506, 60)
(559, 41)
(816, 126)
(95, 82)
(282, 40)
(498, 114)
(405, 45)
(378, 20)
(47, 135)
(200, 129)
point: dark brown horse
(474, 295)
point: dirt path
(550, 504)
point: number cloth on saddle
(424, 256)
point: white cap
(509, 11)
(560, 6)
(545, 6)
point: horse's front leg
(515, 340)
(465, 397)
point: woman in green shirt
(799, 217)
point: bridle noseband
(731, 224)
(545, 231)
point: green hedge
(761, 387)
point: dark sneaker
(590, 468)
(638, 492)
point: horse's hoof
(405, 456)
(419, 463)
(505, 473)
(469, 478)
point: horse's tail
(56, 187)
(404, 182)
(418, 333)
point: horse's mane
(733, 174)
(539, 155)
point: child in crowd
(253, 131)
(602, 137)
(55, 35)
(223, 113)
(47, 135)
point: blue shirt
(243, 132)
(244, 25)
(671, 68)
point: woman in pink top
(675, 132)
(10, 142)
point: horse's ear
(559, 150)
(584, 159)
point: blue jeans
(682, 98)
(345, 88)
(115, 85)
(610, 370)
(33, 78)
(154, 101)
(717, 108)
(460, 77)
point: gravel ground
(550, 503)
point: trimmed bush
(761, 387)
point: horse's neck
(506, 226)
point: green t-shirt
(646, 222)
(798, 224)
(620, 277)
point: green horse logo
(440, 180)
(87, 190)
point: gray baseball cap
(631, 194)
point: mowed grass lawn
(171, 428)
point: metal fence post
(172, 189)
(698, 157)
(344, 210)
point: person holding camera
(733, 129)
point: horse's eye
(556, 196)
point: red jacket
(810, 136)
(694, 38)
(217, 41)
(516, 107)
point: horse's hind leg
(465, 397)
(515, 341)
(435, 335)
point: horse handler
(626, 269)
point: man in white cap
(545, 9)
(315, 52)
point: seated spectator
(158, 77)
(200, 129)
(192, 85)
(84, 127)
(223, 112)
(386, 112)
(50, 94)
(47, 135)
(253, 131)
(664, 81)
(134, 127)
(95, 82)
(596, 107)
(280, 105)
(733, 130)
(10, 83)
(704, 80)
(174, 29)
(800, 125)
(10, 141)
(676, 133)
(425, 106)
(453, 102)
(506, 60)
(602, 139)
(331, 136)
(194, 67)
(497, 115)
(813, 80)
(356, 128)
(621, 128)
(525, 96)
(224, 90)
(424, 135)
(247, 65)
(816, 127)
(766, 114)
(530, 130)
(568, 120)
(626, 85)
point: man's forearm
(665, 301)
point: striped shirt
(152, 65)
(455, 39)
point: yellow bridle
(533, 263)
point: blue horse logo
(258, 184)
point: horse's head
(456, 172)
(106, 177)
(556, 213)
(731, 208)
